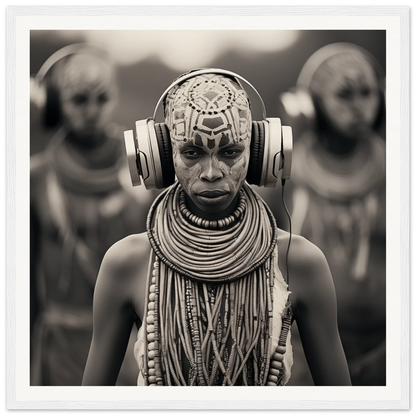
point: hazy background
(149, 60)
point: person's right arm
(114, 310)
(315, 311)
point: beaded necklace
(212, 224)
(209, 312)
(341, 179)
(96, 174)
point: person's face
(88, 96)
(350, 99)
(211, 153)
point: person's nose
(358, 104)
(211, 170)
(92, 111)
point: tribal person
(339, 194)
(80, 205)
(204, 285)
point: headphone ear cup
(255, 166)
(52, 111)
(165, 152)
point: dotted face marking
(208, 103)
(209, 119)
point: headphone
(149, 151)
(43, 90)
(298, 103)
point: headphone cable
(290, 230)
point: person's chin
(358, 133)
(90, 137)
(90, 132)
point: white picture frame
(395, 395)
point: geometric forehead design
(85, 70)
(349, 66)
(208, 103)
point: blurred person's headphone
(149, 152)
(298, 102)
(43, 90)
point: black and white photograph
(209, 204)
(80, 206)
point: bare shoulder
(308, 268)
(127, 256)
(303, 254)
(122, 277)
(306, 255)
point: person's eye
(231, 153)
(365, 92)
(191, 154)
(344, 94)
(79, 99)
(103, 98)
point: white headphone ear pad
(133, 159)
(154, 154)
(145, 153)
(37, 93)
(287, 151)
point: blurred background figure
(82, 202)
(146, 61)
(338, 192)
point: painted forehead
(347, 68)
(86, 72)
(208, 107)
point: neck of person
(212, 215)
(86, 143)
(96, 152)
(338, 144)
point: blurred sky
(148, 61)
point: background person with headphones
(338, 194)
(80, 205)
(208, 284)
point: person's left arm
(315, 313)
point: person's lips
(212, 193)
(210, 197)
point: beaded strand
(155, 374)
(203, 333)
(276, 372)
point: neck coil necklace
(209, 309)
(211, 255)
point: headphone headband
(321, 55)
(209, 71)
(68, 50)
(149, 149)
(44, 93)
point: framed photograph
(273, 50)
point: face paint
(210, 126)
(347, 89)
(88, 95)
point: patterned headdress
(202, 103)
